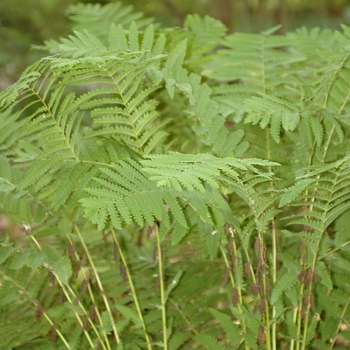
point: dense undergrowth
(177, 188)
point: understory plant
(177, 188)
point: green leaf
(209, 342)
(177, 339)
(117, 38)
(284, 282)
(311, 329)
(213, 242)
(128, 313)
(133, 37)
(232, 330)
(292, 192)
(59, 265)
(317, 129)
(178, 233)
(174, 282)
(323, 273)
(148, 38)
(5, 251)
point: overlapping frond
(324, 196)
(260, 75)
(260, 61)
(28, 295)
(125, 195)
(191, 172)
(98, 18)
(332, 87)
(60, 128)
(203, 35)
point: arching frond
(98, 18)
(126, 195)
(189, 171)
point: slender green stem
(67, 295)
(265, 296)
(65, 342)
(298, 312)
(274, 279)
(99, 283)
(35, 302)
(315, 257)
(274, 247)
(92, 297)
(133, 290)
(244, 327)
(161, 285)
(260, 296)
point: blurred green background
(24, 23)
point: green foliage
(176, 188)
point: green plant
(177, 188)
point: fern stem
(259, 296)
(161, 284)
(99, 283)
(320, 233)
(298, 312)
(97, 332)
(47, 317)
(65, 342)
(274, 245)
(307, 310)
(63, 287)
(262, 257)
(244, 327)
(265, 292)
(133, 290)
(274, 279)
(98, 315)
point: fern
(176, 188)
(106, 199)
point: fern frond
(130, 196)
(273, 111)
(209, 342)
(287, 281)
(255, 65)
(203, 37)
(177, 340)
(328, 196)
(322, 272)
(98, 19)
(28, 290)
(331, 89)
(231, 330)
(188, 171)
(292, 192)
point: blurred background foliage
(24, 23)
